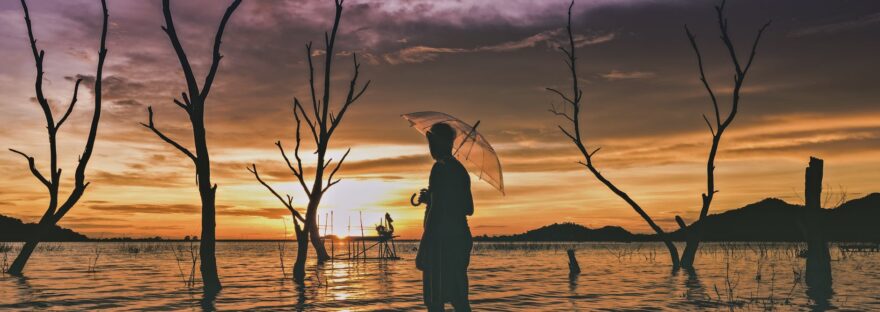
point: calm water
(503, 276)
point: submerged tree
(573, 132)
(321, 122)
(194, 106)
(695, 232)
(57, 209)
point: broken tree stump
(573, 267)
(818, 271)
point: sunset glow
(477, 60)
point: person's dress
(444, 251)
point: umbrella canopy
(470, 147)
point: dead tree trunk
(695, 232)
(321, 123)
(818, 272)
(302, 251)
(57, 209)
(194, 106)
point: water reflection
(820, 296)
(695, 290)
(503, 277)
(207, 301)
(300, 297)
(24, 289)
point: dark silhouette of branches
(573, 132)
(720, 125)
(57, 209)
(321, 122)
(194, 106)
(165, 138)
(287, 201)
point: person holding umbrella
(445, 247)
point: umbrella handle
(412, 200)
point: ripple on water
(503, 277)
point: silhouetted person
(445, 248)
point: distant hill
(770, 218)
(776, 220)
(567, 232)
(855, 219)
(13, 230)
(767, 220)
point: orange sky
(811, 92)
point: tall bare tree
(695, 232)
(194, 106)
(321, 123)
(57, 209)
(570, 111)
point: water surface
(503, 277)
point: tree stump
(818, 271)
(573, 267)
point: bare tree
(573, 132)
(57, 209)
(302, 240)
(321, 123)
(695, 232)
(194, 106)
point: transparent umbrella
(470, 147)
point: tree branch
(191, 83)
(69, 107)
(351, 97)
(556, 112)
(296, 172)
(298, 105)
(561, 95)
(33, 167)
(182, 105)
(693, 41)
(568, 134)
(165, 138)
(330, 181)
(711, 130)
(575, 136)
(725, 37)
(329, 44)
(209, 80)
(288, 203)
(681, 224)
(79, 176)
(312, 84)
(755, 47)
(38, 60)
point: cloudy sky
(812, 91)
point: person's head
(440, 140)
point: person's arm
(468, 198)
(429, 234)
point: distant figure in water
(445, 249)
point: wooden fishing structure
(860, 247)
(364, 247)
